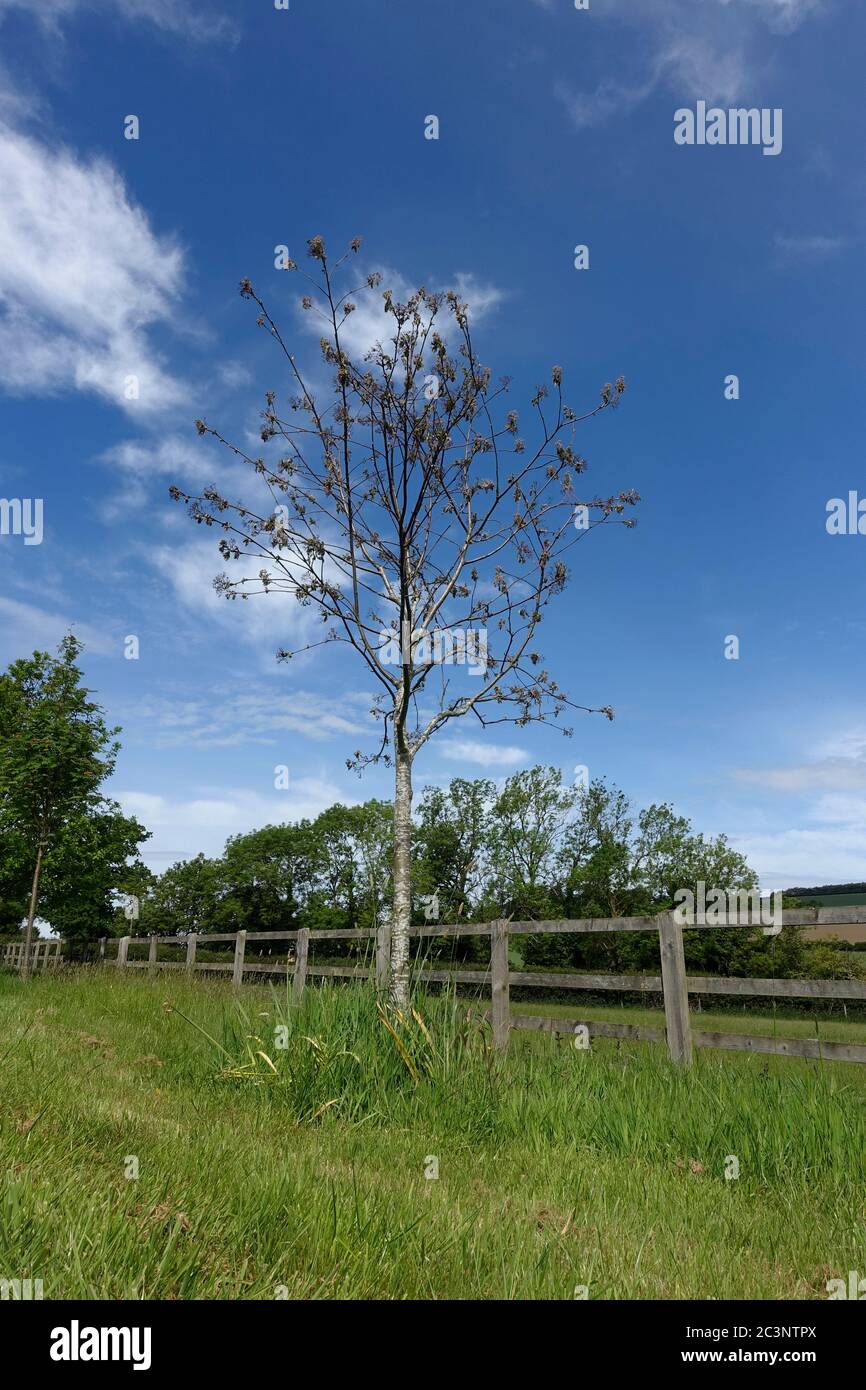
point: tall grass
(284, 1150)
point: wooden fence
(672, 983)
(44, 954)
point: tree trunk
(402, 911)
(34, 892)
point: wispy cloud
(135, 464)
(82, 277)
(715, 50)
(25, 627)
(467, 750)
(267, 620)
(838, 766)
(796, 249)
(830, 843)
(232, 718)
(806, 856)
(172, 16)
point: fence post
(122, 952)
(240, 947)
(499, 991)
(151, 954)
(679, 1031)
(383, 957)
(301, 953)
(102, 941)
(190, 952)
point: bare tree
(412, 513)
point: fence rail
(44, 954)
(673, 984)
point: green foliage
(55, 747)
(534, 848)
(85, 868)
(58, 833)
(331, 872)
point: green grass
(301, 1171)
(785, 1023)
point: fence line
(673, 983)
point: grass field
(299, 1171)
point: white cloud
(610, 98)
(24, 628)
(371, 324)
(784, 15)
(235, 374)
(838, 765)
(467, 750)
(82, 278)
(202, 824)
(172, 16)
(227, 719)
(831, 846)
(276, 618)
(829, 774)
(797, 249)
(136, 463)
(798, 857)
(714, 50)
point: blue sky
(261, 127)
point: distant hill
(832, 894)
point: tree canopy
(65, 844)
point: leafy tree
(415, 518)
(263, 876)
(86, 866)
(185, 898)
(596, 855)
(55, 751)
(530, 820)
(453, 840)
(15, 878)
(373, 833)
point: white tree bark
(402, 910)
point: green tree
(85, 868)
(262, 879)
(530, 819)
(55, 751)
(452, 844)
(185, 898)
(15, 877)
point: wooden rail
(673, 984)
